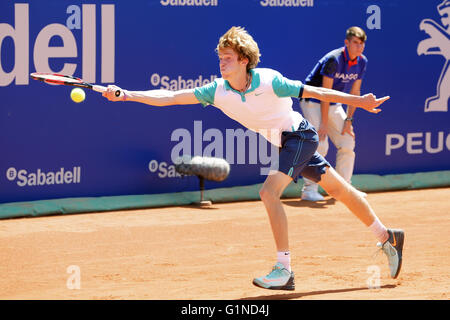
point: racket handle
(98, 88)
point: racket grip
(99, 88)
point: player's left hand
(370, 102)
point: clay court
(214, 253)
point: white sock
(379, 230)
(284, 257)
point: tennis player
(260, 99)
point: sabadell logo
(39, 177)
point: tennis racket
(59, 79)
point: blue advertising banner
(52, 147)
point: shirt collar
(350, 63)
(253, 85)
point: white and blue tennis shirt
(266, 107)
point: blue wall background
(123, 148)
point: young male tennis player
(260, 99)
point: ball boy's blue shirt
(337, 65)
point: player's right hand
(110, 93)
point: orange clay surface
(214, 253)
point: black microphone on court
(209, 168)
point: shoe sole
(290, 285)
(313, 200)
(400, 237)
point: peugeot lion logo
(438, 44)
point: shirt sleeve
(206, 93)
(329, 68)
(284, 87)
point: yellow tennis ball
(77, 95)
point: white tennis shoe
(311, 195)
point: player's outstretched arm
(368, 102)
(157, 98)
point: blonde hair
(238, 39)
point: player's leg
(297, 148)
(270, 194)
(391, 240)
(336, 186)
(311, 112)
(281, 277)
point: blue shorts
(298, 155)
